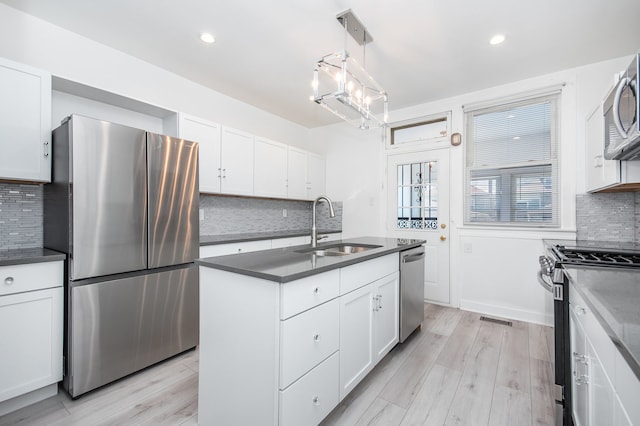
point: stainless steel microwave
(621, 108)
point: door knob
(443, 237)
(443, 225)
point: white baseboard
(32, 397)
(507, 312)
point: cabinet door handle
(219, 172)
(316, 337)
(379, 301)
(582, 380)
(580, 358)
(45, 149)
(375, 303)
(8, 280)
(316, 290)
(580, 310)
(316, 400)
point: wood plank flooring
(457, 370)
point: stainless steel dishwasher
(411, 291)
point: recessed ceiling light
(207, 38)
(497, 39)
(515, 138)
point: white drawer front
(355, 276)
(29, 277)
(307, 339)
(305, 293)
(234, 248)
(310, 399)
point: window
(511, 163)
(422, 129)
(418, 195)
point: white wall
(35, 42)
(497, 274)
(355, 175)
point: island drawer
(360, 274)
(311, 398)
(305, 293)
(307, 339)
(29, 277)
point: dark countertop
(206, 240)
(30, 255)
(613, 294)
(287, 264)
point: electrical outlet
(284, 212)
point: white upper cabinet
(207, 134)
(296, 173)
(603, 175)
(306, 174)
(25, 118)
(237, 162)
(315, 175)
(270, 168)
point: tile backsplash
(20, 216)
(236, 215)
(608, 216)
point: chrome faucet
(314, 229)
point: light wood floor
(457, 370)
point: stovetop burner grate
(613, 258)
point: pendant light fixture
(344, 87)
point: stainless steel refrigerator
(123, 205)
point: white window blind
(511, 164)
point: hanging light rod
(354, 27)
(344, 87)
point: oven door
(551, 276)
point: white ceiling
(423, 50)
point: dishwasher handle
(412, 258)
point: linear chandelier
(344, 87)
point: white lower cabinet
(579, 374)
(605, 389)
(272, 353)
(234, 248)
(368, 329)
(386, 315)
(290, 241)
(31, 311)
(356, 337)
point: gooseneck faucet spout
(314, 229)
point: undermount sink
(338, 250)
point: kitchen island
(286, 334)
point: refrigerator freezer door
(108, 181)
(122, 325)
(173, 200)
